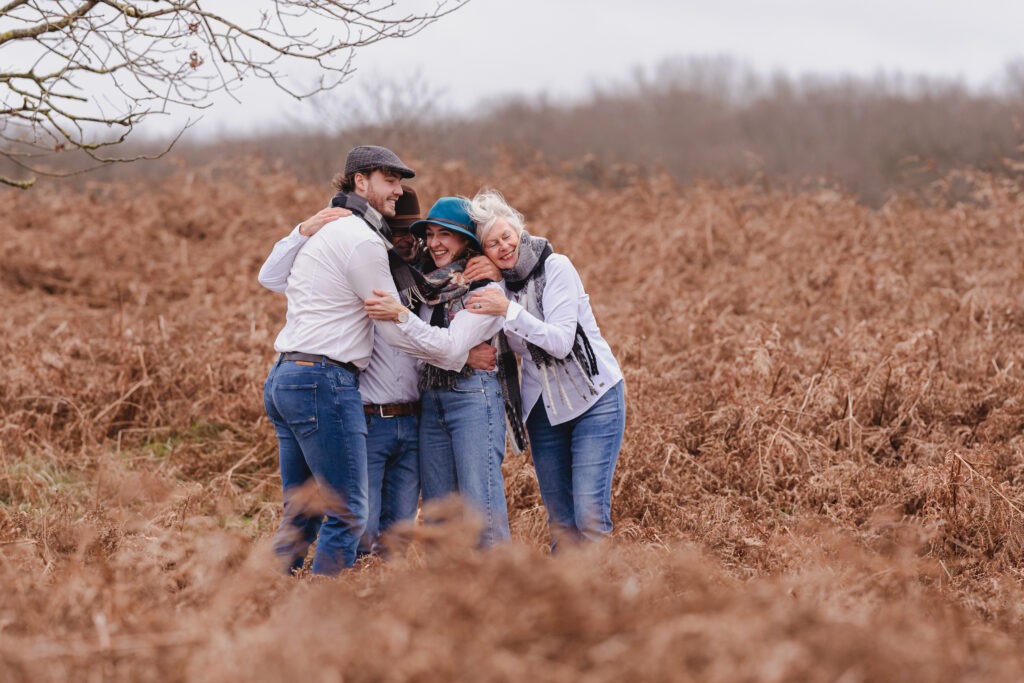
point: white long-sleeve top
(391, 371)
(487, 331)
(565, 303)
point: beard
(381, 203)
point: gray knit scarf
(527, 277)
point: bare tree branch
(79, 76)
(48, 27)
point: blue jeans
(393, 469)
(575, 462)
(321, 433)
(462, 444)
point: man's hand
(312, 225)
(481, 268)
(482, 357)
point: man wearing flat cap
(330, 352)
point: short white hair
(487, 207)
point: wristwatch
(403, 316)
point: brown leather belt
(392, 409)
(314, 358)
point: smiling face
(444, 245)
(381, 190)
(405, 243)
(501, 244)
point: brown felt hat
(407, 210)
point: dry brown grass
(822, 477)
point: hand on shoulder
(312, 225)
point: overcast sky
(492, 48)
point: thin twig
(989, 483)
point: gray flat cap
(371, 156)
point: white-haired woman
(573, 394)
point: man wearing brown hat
(387, 384)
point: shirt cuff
(514, 309)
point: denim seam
(490, 463)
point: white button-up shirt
(565, 303)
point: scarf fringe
(432, 377)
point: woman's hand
(488, 301)
(481, 268)
(383, 306)
(312, 225)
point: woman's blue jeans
(462, 445)
(575, 462)
(321, 433)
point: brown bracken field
(822, 477)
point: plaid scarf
(444, 289)
(527, 277)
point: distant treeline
(693, 118)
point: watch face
(403, 316)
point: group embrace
(411, 346)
